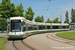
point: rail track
(20, 45)
(17, 45)
(59, 39)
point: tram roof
(12, 18)
(39, 23)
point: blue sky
(49, 9)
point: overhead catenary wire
(16, 1)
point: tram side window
(41, 27)
(23, 23)
(35, 27)
(24, 29)
(56, 27)
(30, 27)
(67, 27)
(63, 27)
(48, 27)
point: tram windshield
(15, 25)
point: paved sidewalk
(49, 41)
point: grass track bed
(2, 42)
(68, 35)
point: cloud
(68, 7)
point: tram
(21, 28)
(72, 27)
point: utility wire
(16, 1)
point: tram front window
(15, 26)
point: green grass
(68, 35)
(2, 42)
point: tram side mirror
(23, 23)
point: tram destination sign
(15, 20)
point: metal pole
(61, 21)
(7, 27)
(51, 27)
(37, 27)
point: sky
(49, 9)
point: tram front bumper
(15, 36)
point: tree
(20, 10)
(2, 24)
(65, 21)
(56, 20)
(16, 11)
(48, 21)
(38, 19)
(5, 8)
(67, 17)
(29, 14)
(13, 11)
(8, 9)
(0, 9)
(73, 15)
(42, 18)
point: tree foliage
(48, 21)
(38, 19)
(56, 20)
(13, 11)
(42, 18)
(29, 14)
(2, 24)
(8, 9)
(73, 15)
(5, 8)
(67, 17)
(20, 10)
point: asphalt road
(3, 33)
(41, 42)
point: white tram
(21, 28)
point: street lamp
(7, 27)
(61, 21)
